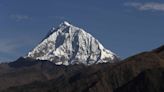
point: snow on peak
(69, 44)
(66, 23)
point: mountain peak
(69, 44)
(65, 23)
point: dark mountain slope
(151, 80)
(25, 71)
(143, 71)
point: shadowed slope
(139, 73)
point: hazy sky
(126, 27)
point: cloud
(8, 47)
(11, 49)
(8, 50)
(19, 17)
(150, 6)
(57, 17)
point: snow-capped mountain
(68, 44)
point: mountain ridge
(139, 73)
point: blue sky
(124, 26)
